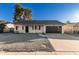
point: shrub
(17, 32)
(1, 30)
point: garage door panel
(53, 29)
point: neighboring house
(9, 27)
(76, 28)
(39, 26)
(68, 28)
(71, 28)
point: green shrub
(1, 30)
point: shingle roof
(76, 24)
(41, 22)
(8, 22)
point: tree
(28, 14)
(68, 22)
(2, 25)
(17, 12)
(21, 14)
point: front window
(35, 27)
(59, 26)
(32, 27)
(22, 27)
(16, 27)
(39, 27)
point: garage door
(53, 29)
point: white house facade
(39, 26)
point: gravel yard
(24, 42)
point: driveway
(24, 42)
(64, 42)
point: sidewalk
(39, 53)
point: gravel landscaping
(24, 42)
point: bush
(17, 32)
(43, 33)
(78, 32)
(1, 31)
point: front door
(26, 28)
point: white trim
(62, 29)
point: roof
(70, 24)
(41, 22)
(9, 23)
(73, 24)
(76, 24)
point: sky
(43, 11)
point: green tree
(68, 22)
(2, 25)
(17, 12)
(28, 14)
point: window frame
(17, 27)
(32, 27)
(35, 27)
(22, 27)
(39, 27)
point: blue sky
(44, 11)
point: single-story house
(71, 28)
(9, 27)
(76, 28)
(68, 27)
(39, 26)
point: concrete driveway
(64, 42)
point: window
(16, 27)
(22, 27)
(39, 27)
(35, 27)
(32, 27)
(60, 27)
